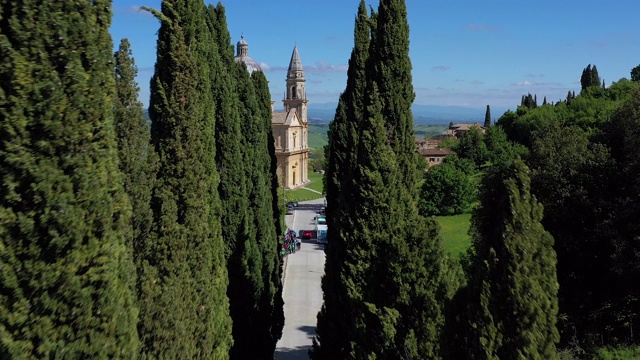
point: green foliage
(513, 282)
(138, 161)
(341, 157)
(635, 73)
(471, 146)
(379, 239)
(590, 77)
(185, 269)
(447, 190)
(243, 157)
(618, 353)
(67, 276)
(487, 118)
(499, 149)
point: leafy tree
(138, 160)
(513, 278)
(618, 312)
(487, 118)
(446, 190)
(635, 73)
(185, 269)
(471, 146)
(499, 148)
(67, 278)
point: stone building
(290, 127)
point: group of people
(290, 244)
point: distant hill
(422, 114)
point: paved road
(302, 291)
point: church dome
(242, 54)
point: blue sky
(468, 53)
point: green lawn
(454, 231)
(303, 194)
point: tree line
(120, 238)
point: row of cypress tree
(385, 265)
(120, 239)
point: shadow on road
(312, 243)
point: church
(289, 127)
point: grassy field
(304, 194)
(317, 137)
(454, 231)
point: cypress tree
(268, 220)
(420, 261)
(586, 79)
(137, 158)
(513, 279)
(393, 267)
(331, 341)
(487, 117)
(391, 69)
(66, 284)
(595, 78)
(185, 268)
(251, 239)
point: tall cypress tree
(421, 260)
(66, 282)
(487, 116)
(393, 265)
(513, 286)
(137, 158)
(185, 268)
(245, 188)
(332, 342)
(271, 306)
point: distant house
(435, 156)
(428, 143)
(457, 130)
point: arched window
(293, 92)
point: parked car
(322, 210)
(306, 234)
(292, 203)
(289, 210)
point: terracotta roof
(436, 152)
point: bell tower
(295, 96)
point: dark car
(289, 210)
(306, 234)
(292, 203)
(322, 210)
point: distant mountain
(422, 114)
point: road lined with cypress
(302, 291)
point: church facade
(289, 127)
